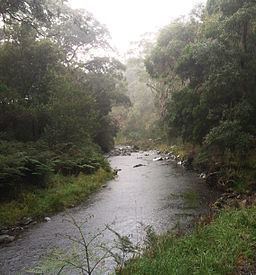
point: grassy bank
(62, 192)
(232, 171)
(225, 246)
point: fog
(128, 20)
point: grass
(220, 247)
(63, 192)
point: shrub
(22, 165)
(229, 135)
(71, 159)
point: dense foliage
(57, 89)
(204, 69)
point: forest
(58, 83)
(200, 71)
(187, 91)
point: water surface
(148, 195)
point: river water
(160, 194)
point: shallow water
(148, 195)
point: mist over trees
(139, 120)
(63, 97)
(58, 84)
(203, 67)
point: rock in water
(116, 170)
(47, 219)
(158, 159)
(138, 165)
(6, 239)
(202, 176)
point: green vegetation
(62, 99)
(221, 247)
(62, 192)
(56, 95)
(201, 69)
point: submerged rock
(4, 239)
(138, 165)
(115, 171)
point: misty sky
(128, 19)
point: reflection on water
(148, 195)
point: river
(160, 194)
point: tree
(204, 68)
(56, 92)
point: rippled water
(148, 195)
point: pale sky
(127, 20)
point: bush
(71, 159)
(26, 165)
(22, 165)
(229, 135)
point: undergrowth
(221, 247)
(62, 192)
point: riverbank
(222, 245)
(140, 196)
(220, 171)
(222, 242)
(63, 192)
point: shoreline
(230, 207)
(67, 192)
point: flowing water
(160, 194)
